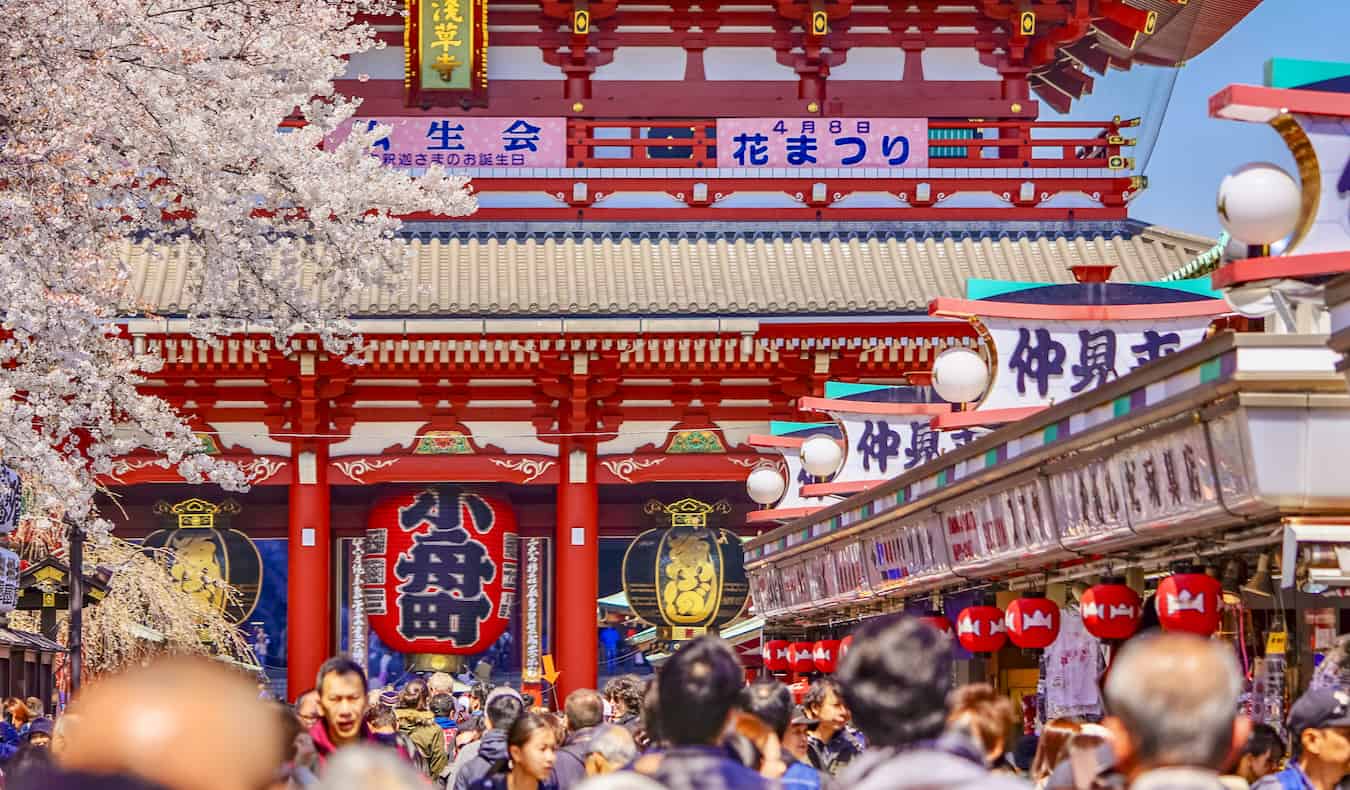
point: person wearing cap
(771, 702)
(797, 739)
(39, 733)
(476, 760)
(1319, 732)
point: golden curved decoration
(1309, 174)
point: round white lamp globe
(1259, 203)
(821, 455)
(765, 485)
(960, 375)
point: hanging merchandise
(1111, 610)
(1032, 621)
(1190, 602)
(1072, 665)
(826, 655)
(980, 629)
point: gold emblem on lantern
(204, 558)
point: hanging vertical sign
(445, 60)
(532, 610)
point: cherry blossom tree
(157, 123)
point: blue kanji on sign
(1155, 345)
(923, 444)
(446, 136)
(383, 142)
(751, 147)
(1096, 359)
(1039, 360)
(441, 595)
(878, 444)
(521, 136)
(963, 437)
(895, 149)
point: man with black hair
(699, 687)
(1262, 754)
(771, 702)
(625, 694)
(895, 681)
(442, 708)
(585, 710)
(477, 759)
(831, 745)
(341, 685)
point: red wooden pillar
(577, 568)
(309, 616)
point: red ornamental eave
(267, 470)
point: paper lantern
(1189, 603)
(844, 645)
(938, 622)
(980, 629)
(1033, 622)
(826, 655)
(447, 570)
(686, 576)
(960, 375)
(802, 657)
(1111, 610)
(776, 652)
(799, 690)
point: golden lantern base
(435, 662)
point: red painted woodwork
(576, 564)
(309, 634)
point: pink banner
(822, 142)
(468, 141)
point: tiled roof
(720, 270)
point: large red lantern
(980, 629)
(441, 570)
(826, 655)
(937, 621)
(802, 657)
(1111, 610)
(776, 652)
(1190, 602)
(1033, 622)
(844, 645)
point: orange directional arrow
(550, 672)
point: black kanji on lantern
(442, 574)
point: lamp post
(75, 640)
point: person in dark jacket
(771, 702)
(479, 758)
(531, 750)
(832, 745)
(1319, 731)
(585, 710)
(701, 684)
(624, 693)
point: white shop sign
(880, 447)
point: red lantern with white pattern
(938, 621)
(802, 657)
(826, 655)
(844, 645)
(1033, 622)
(980, 629)
(1111, 610)
(776, 653)
(1189, 603)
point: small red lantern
(799, 690)
(776, 652)
(937, 621)
(1111, 610)
(980, 629)
(801, 657)
(1033, 622)
(844, 645)
(826, 655)
(1190, 602)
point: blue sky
(1194, 152)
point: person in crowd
(532, 750)
(831, 745)
(1089, 761)
(610, 749)
(183, 723)
(299, 759)
(703, 682)
(307, 708)
(763, 752)
(61, 734)
(585, 710)
(1260, 757)
(1172, 702)
(17, 716)
(1052, 749)
(442, 707)
(39, 733)
(1319, 733)
(625, 695)
(368, 767)
(30, 767)
(440, 683)
(343, 702)
(987, 718)
(382, 721)
(797, 739)
(621, 780)
(477, 759)
(896, 680)
(771, 702)
(417, 722)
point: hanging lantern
(938, 622)
(826, 655)
(446, 570)
(802, 657)
(1111, 610)
(799, 690)
(776, 652)
(844, 645)
(1033, 622)
(1189, 602)
(980, 629)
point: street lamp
(960, 375)
(821, 455)
(1259, 203)
(765, 485)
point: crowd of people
(889, 719)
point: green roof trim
(843, 389)
(980, 288)
(1201, 266)
(784, 428)
(1293, 73)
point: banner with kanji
(822, 142)
(465, 141)
(446, 53)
